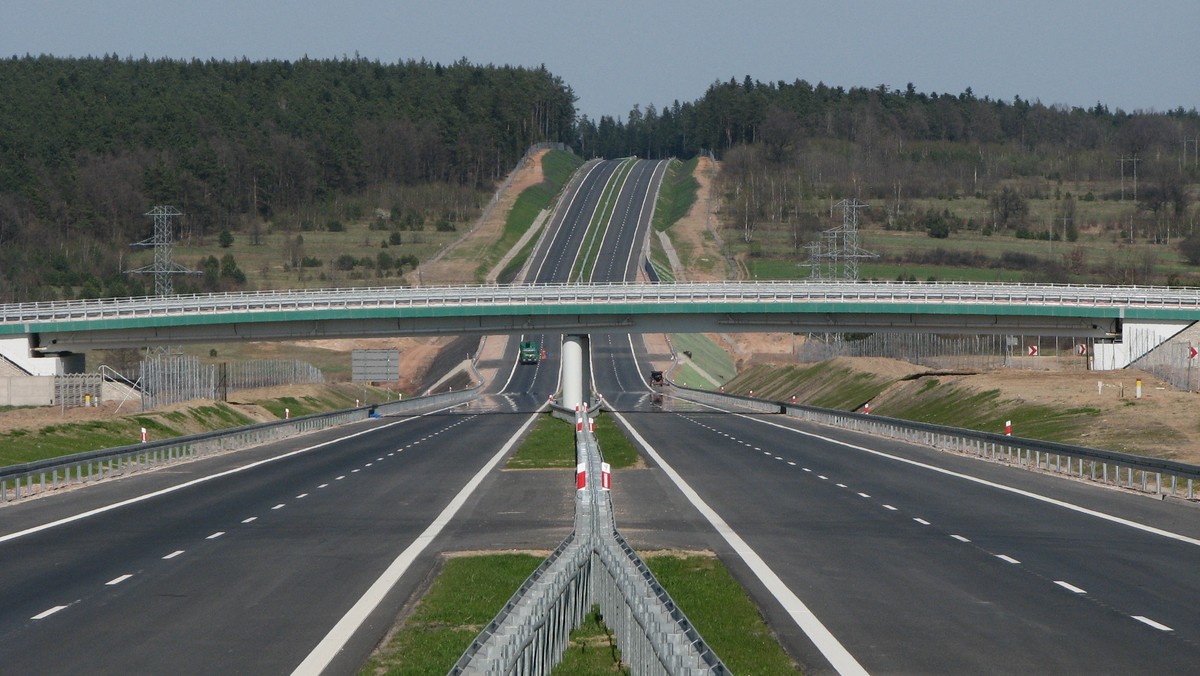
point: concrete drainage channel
(593, 566)
(18, 482)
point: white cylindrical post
(572, 371)
(287, 414)
(1137, 392)
(143, 435)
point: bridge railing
(593, 566)
(18, 482)
(1160, 477)
(619, 292)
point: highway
(910, 560)
(923, 562)
(250, 562)
(904, 559)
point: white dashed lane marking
(249, 519)
(118, 580)
(1152, 623)
(279, 506)
(1069, 587)
(173, 554)
(215, 535)
(923, 522)
(960, 538)
(1006, 557)
(47, 613)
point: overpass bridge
(1109, 315)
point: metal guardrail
(18, 482)
(593, 566)
(600, 294)
(1157, 476)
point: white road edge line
(333, 643)
(1069, 587)
(839, 658)
(1152, 623)
(1011, 489)
(47, 613)
(118, 580)
(210, 477)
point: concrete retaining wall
(27, 391)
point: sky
(617, 53)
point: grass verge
(550, 444)
(466, 595)
(471, 590)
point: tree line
(89, 145)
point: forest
(943, 164)
(87, 146)
(245, 148)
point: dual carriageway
(862, 553)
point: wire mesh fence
(959, 352)
(78, 389)
(168, 379)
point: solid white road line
(1069, 587)
(210, 477)
(173, 554)
(839, 658)
(340, 634)
(1152, 623)
(967, 477)
(47, 613)
(117, 580)
(1006, 557)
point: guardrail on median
(22, 481)
(593, 566)
(1163, 478)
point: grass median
(471, 590)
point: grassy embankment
(23, 445)
(557, 168)
(675, 199)
(926, 400)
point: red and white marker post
(605, 476)
(1008, 428)
(580, 476)
(867, 408)
(144, 435)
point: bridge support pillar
(573, 348)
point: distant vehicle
(656, 378)
(530, 354)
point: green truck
(530, 354)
